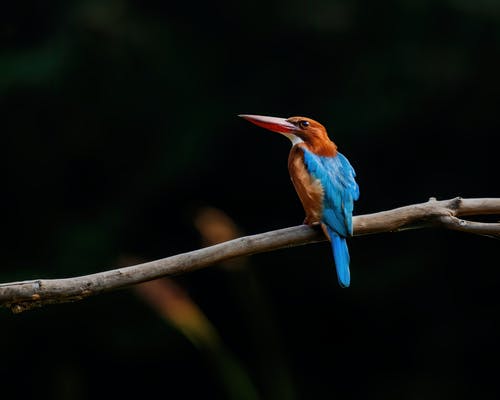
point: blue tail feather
(341, 257)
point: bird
(323, 179)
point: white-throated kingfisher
(323, 179)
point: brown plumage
(314, 136)
(309, 189)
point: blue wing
(341, 190)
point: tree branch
(22, 296)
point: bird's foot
(311, 223)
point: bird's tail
(341, 257)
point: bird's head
(298, 129)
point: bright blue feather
(341, 257)
(340, 191)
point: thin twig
(22, 296)
(479, 228)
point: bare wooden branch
(21, 296)
(479, 228)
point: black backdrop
(119, 123)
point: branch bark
(22, 296)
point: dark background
(119, 122)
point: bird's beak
(280, 125)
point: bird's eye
(303, 124)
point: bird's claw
(307, 222)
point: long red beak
(280, 125)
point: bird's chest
(309, 189)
